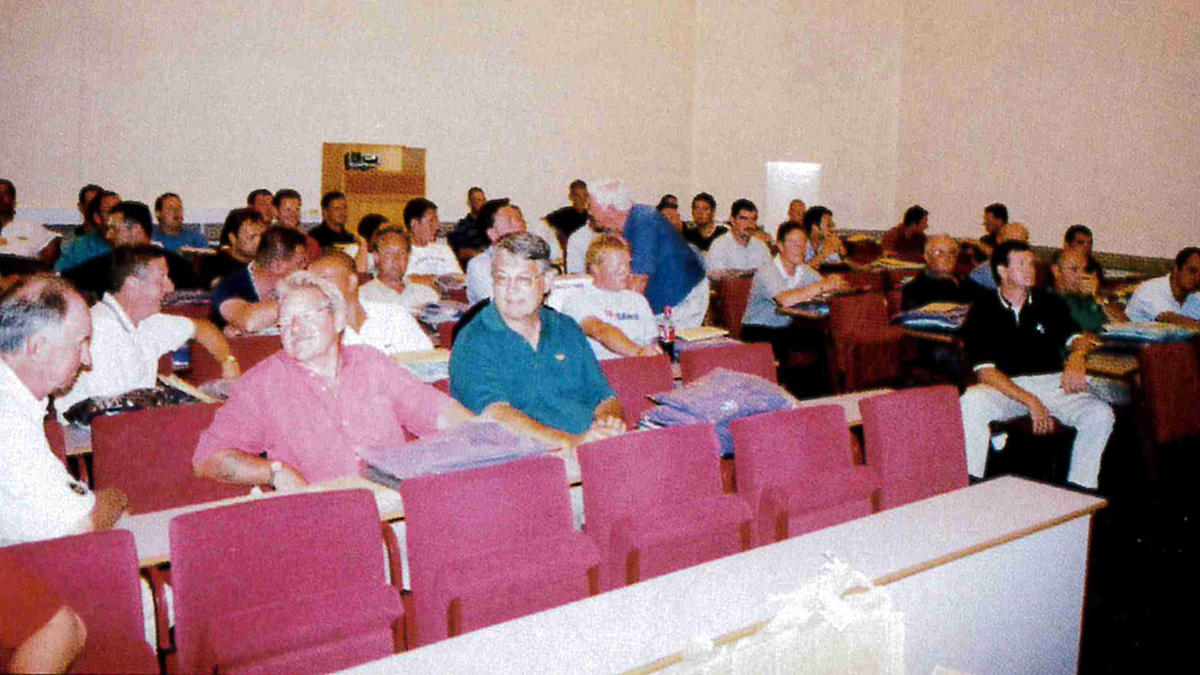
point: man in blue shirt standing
(526, 365)
(665, 269)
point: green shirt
(1086, 312)
(559, 385)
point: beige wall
(1066, 111)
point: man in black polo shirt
(1015, 339)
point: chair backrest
(96, 574)
(784, 446)
(267, 550)
(732, 294)
(1170, 388)
(635, 377)
(755, 358)
(249, 350)
(636, 472)
(914, 437)
(869, 281)
(148, 454)
(858, 314)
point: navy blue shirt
(237, 284)
(660, 252)
(1030, 341)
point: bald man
(386, 326)
(937, 282)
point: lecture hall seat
(1167, 401)
(755, 358)
(865, 348)
(290, 583)
(914, 438)
(492, 544)
(654, 503)
(634, 378)
(796, 470)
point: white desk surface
(635, 626)
(849, 402)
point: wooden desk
(990, 578)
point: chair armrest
(392, 546)
(622, 554)
(158, 578)
(772, 507)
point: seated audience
(262, 202)
(391, 246)
(371, 223)
(1077, 283)
(239, 242)
(703, 230)
(129, 332)
(386, 326)
(783, 282)
(245, 300)
(743, 249)
(467, 240)
(824, 246)
(128, 225)
(795, 214)
(332, 230)
(937, 282)
(569, 401)
(497, 218)
(568, 219)
(287, 213)
(44, 634)
(1079, 237)
(617, 321)
(89, 242)
(18, 237)
(44, 332)
(297, 417)
(170, 234)
(1015, 338)
(668, 205)
(1167, 298)
(539, 227)
(665, 268)
(86, 194)
(906, 240)
(995, 216)
(578, 244)
(428, 258)
(983, 274)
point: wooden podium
(384, 188)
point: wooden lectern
(375, 178)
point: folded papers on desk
(466, 446)
(947, 316)
(1148, 332)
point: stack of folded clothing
(466, 446)
(717, 397)
(948, 316)
(1148, 332)
(437, 313)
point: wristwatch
(276, 467)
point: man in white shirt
(20, 238)
(496, 218)
(1166, 298)
(617, 321)
(577, 246)
(386, 326)
(391, 246)
(129, 332)
(429, 258)
(44, 332)
(744, 249)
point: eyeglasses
(521, 281)
(305, 318)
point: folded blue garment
(466, 446)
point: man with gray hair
(298, 416)
(665, 269)
(528, 366)
(44, 334)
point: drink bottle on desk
(666, 334)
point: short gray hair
(298, 281)
(525, 246)
(611, 194)
(30, 306)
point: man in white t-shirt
(386, 326)
(429, 258)
(577, 246)
(744, 248)
(391, 247)
(20, 238)
(617, 321)
(496, 218)
(44, 333)
(130, 334)
(1166, 298)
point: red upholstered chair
(284, 584)
(492, 544)
(96, 574)
(796, 469)
(914, 438)
(654, 503)
(731, 295)
(1170, 388)
(865, 347)
(755, 358)
(445, 331)
(148, 454)
(634, 378)
(249, 350)
(56, 437)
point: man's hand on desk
(834, 283)
(286, 479)
(602, 428)
(427, 279)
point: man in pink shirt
(310, 406)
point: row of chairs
(1167, 409)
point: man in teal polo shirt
(528, 366)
